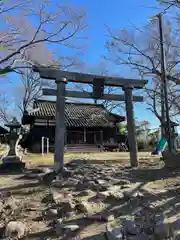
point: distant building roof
(13, 123)
(77, 114)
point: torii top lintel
(55, 74)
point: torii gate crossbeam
(62, 77)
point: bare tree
(24, 92)
(28, 27)
(140, 50)
(30, 88)
(5, 115)
(170, 3)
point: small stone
(87, 179)
(59, 221)
(103, 195)
(48, 198)
(159, 219)
(117, 195)
(52, 212)
(84, 193)
(132, 194)
(70, 214)
(4, 194)
(48, 177)
(67, 173)
(79, 177)
(12, 204)
(137, 211)
(57, 183)
(130, 227)
(67, 208)
(91, 185)
(94, 177)
(58, 227)
(101, 181)
(107, 217)
(31, 206)
(61, 197)
(71, 182)
(121, 182)
(70, 227)
(83, 207)
(101, 217)
(65, 228)
(151, 207)
(119, 173)
(46, 170)
(140, 195)
(108, 178)
(162, 231)
(15, 229)
(103, 185)
(55, 197)
(1, 206)
(114, 234)
(125, 186)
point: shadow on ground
(22, 190)
(165, 202)
(51, 235)
(11, 172)
(151, 174)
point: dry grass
(111, 157)
(3, 149)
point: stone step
(82, 148)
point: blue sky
(116, 14)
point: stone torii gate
(62, 77)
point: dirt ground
(160, 188)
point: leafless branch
(4, 113)
(61, 26)
(29, 89)
(140, 50)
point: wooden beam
(45, 72)
(76, 94)
(54, 73)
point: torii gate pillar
(131, 125)
(60, 124)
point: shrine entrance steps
(83, 148)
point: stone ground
(94, 200)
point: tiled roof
(14, 122)
(77, 114)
